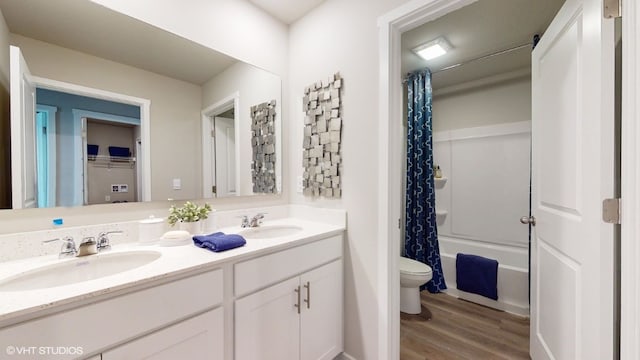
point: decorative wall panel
(321, 158)
(263, 143)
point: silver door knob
(528, 220)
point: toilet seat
(412, 267)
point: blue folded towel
(478, 275)
(219, 241)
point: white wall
(496, 103)
(487, 188)
(254, 87)
(342, 36)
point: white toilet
(413, 274)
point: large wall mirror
(126, 112)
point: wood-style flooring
(459, 329)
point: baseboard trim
(345, 356)
(498, 305)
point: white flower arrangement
(189, 212)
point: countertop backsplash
(29, 244)
(22, 245)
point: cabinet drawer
(121, 318)
(269, 269)
(196, 338)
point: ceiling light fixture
(433, 48)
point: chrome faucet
(103, 240)
(87, 247)
(68, 248)
(254, 222)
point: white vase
(194, 228)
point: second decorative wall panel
(321, 157)
(263, 143)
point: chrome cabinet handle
(297, 290)
(308, 299)
(528, 220)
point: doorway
(46, 155)
(481, 134)
(225, 145)
(220, 131)
(93, 149)
(111, 171)
(392, 26)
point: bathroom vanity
(278, 297)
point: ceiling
(478, 29)
(96, 30)
(482, 28)
(287, 11)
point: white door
(225, 157)
(23, 138)
(46, 145)
(321, 315)
(267, 323)
(572, 172)
(84, 157)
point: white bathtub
(513, 273)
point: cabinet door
(267, 324)
(321, 317)
(200, 337)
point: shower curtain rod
(500, 52)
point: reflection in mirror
(178, 79)
(224, 180)
(110, 177)
(104, 169)
(225, 154)
(241, 87)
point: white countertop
(175, 262)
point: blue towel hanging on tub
(478, 275)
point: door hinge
(611, 9)
(213, 189)
(213, 133)
(611, 211)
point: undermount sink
(270, 231)
(78, 270)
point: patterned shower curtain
(421, 233)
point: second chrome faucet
(254, 222)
